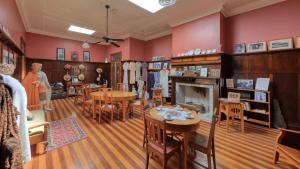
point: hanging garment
(156, 79)
(164, 82)
(20, 102)
(125, 77)
(32, 88)
(47, 90)
(151, 82)
(10, 148)
(140, 88)
(132, 72)
(144, 71)
(138, 66)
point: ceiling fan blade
(115, 44)
(117, 39)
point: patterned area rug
(63, 132)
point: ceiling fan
(107, 40)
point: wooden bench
(290, 153)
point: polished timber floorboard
(119, 145)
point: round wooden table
(117, 96)
(180, 126)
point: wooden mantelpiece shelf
(254, 114)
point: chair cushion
(198, 140)
(172, 145)
(137, 103)
(38, 116)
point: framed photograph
(60, 53)
(262, 84)
(298, 42)
(260, 96)
(257, 47)
(204, 72)
(281, 44)
(5, 56)
(75, 79)
(74, 56)
(23, 45)
(245, 84)
(229, 83)
(86, 56)
(239, 48)
(234, 97)
(11, 57)
(165, 66)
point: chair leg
(227, 122)
(179, 158)
(147, 161)
(99, 117)
(209, 160)
(242, 124)
(219, 118)
(214, 155)
(164, 163)
(276, 157)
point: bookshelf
(258, 111)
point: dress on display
(125, 77)
(144, 71)
(132, 72)
(164, 82)
(138, 66)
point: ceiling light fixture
(78, 29)
(166, 3)
(149, 5)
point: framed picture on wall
(257, 47)
(5, 55)
(74, 56)
(60, 53)
(298, 42)
(86, 56)
(239, 48)
(281, 44)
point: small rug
(63, 132)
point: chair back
(212, 127)
(106, 96)
(122, 87)
(155, 132)
(86, 92)
(157, 94)
(235, 108)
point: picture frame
(74, 56)
(244, 84)
(234, 97)
(239, 48)
(60, 54)
(262, 84)
(5, 56)
(257, 47)
(297, 42)
(229, 83)
(281, 44)
(204, 72)
(86, 56)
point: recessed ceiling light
(150, 5)
(81, 30)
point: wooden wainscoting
(119, 145)
(282, 67)
(55, 69)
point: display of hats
(99, 70)
(7, 69)
(81, 67)
(67, 66)
(67, 77)
(81, 77)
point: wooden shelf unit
(256, 105)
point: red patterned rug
(63, 132)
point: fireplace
(199, 97)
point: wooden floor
(119, 145)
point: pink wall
(124, 49)
(137, 49)
(11, 20)
(44, 47)
(273, 22)
(203, 33)
(159, 47)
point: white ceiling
(53, 17)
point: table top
(187, 122)
(115, 94)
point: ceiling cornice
(158, 35)
(249, 7)
(23, 17)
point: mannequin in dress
(44, 81)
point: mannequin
(44, 80)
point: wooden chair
(87, 101)
(139, 104)
(157, 142)
(232, 108)
(205, 144)
(287, 145)
(157, 95)
(106, 105)
(37, 128)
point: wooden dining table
(117, 96)
(186, 127)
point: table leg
(94, 107)
(186, 136)
(124, 109)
